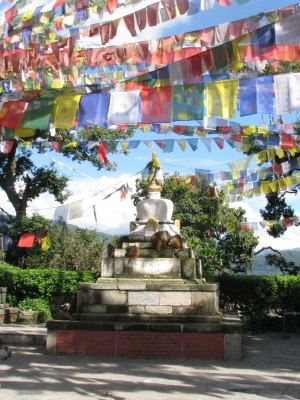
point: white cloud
(289, 240)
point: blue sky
(115, 215)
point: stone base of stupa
(154, 306)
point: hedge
(42, 284)
(259, 297)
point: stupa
(149, 302)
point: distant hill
(260, 267)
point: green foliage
(260, 298)
(286, 267)
(208, 225)
(23, 181)
(40, 305)
(35, 288)
(276, 209)
(70, 249)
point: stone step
(147, 318)
(143, 245)
(151, 253)
(23, 334)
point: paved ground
(270, 369)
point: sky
(90, 185)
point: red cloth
(152, 14)
(11, 113)
(225, 3)
(26, 240)
(141, 18)
(156, 104)
(102, 150)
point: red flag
(11, 113)
(102, 150)
(225, 3)
(152, 100)
(5, 147)
(26, 240)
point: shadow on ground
(269, 370)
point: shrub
(40, 305)
(260, 300)
(38, 287)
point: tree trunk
(7, 183)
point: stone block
(136, 309)
(108, 267)
(93, 308)
(113, 297)
(143, 298)
(205, 302)
(158, 310)
(188, 268)
(89, 296)
(152, 267)
(132, 285)
(119, 266)
(175, 299)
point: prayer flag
(37, 114)
(65, 109)
(294, 89)
(93, 109)
(11, 113)
(188, 102)
(282, 94)
(6, 146)
(46, 242)
(221, 98)
(102, 150)
(156, 104)
(124, 107)
(26, 240)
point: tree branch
(268, 248)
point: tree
(208, 225)
(277, 260)
(23, 182)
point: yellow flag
(124, 145)
(24, 132)
(65, 109)
(46, 242)
(249, 129)
(182, 144)
(221, 98)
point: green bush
(260, 300)
(71, 249)
(40, 305)
(24, 286)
